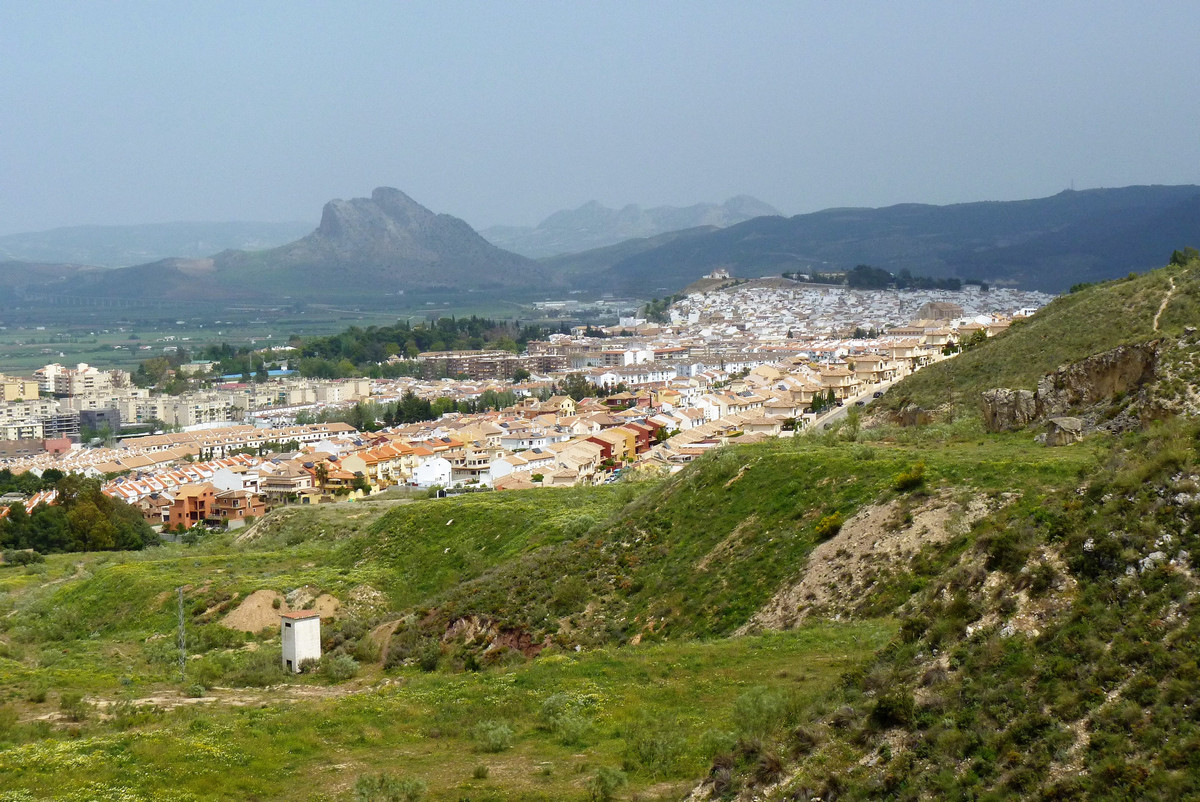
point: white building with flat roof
(301, 631)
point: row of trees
(376, 343)
(370, 416)
(866, 277)
(81, 519)
(823, 401)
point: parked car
(878, 394)
(859, 403)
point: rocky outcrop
(1095, 380)
(912, 415)
(1064, 431)
(1004, 409)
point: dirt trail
(232, 697)
(1166, 300)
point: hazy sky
(503, 112)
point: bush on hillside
(911, 479)
(828, 526)
(386, 788)
(21, 557)
(654, 744)
(604, 785)
(493, 736)
(337, 667)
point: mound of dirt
(256, 612)
(327, 606)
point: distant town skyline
(125, 112)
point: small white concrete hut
(301, 631)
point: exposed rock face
(1090, 381)
(390, 238)
(1063, 431)
(913, 415)
(1097, 378)
(1005, 409)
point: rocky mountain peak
(387, 212)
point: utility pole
(182, 642)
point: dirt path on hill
(879, 538)
(105, 708)
(1166, 300)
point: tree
(853, 423)
(1184, 256)
(978, 338)
(520, 375)
(576, 386)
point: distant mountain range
(595, 226)
(121, 246)
(367, 249)
(1044, 244)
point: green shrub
(481, 772)
(493, 736)
(760, 711)
(8, 721)
(73, 706)
(37, 694)
(654, 744)
(828, 526)
(16, 557)
(911, 479)
(195, 691)
(429, 654)
(386, 788)
(562, 715)
(603, 786)
(893, 710)
(570, 595)
(337, 667)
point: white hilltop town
(745, 362)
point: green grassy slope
(1054, 658)
(1068, 329)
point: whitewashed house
(433, 471)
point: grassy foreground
(628, 593)
(662, 710)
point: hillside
(632, 574)
(594, 226)
(872, 611)
(121, 246)
(1158, 305)
(1044, 244)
